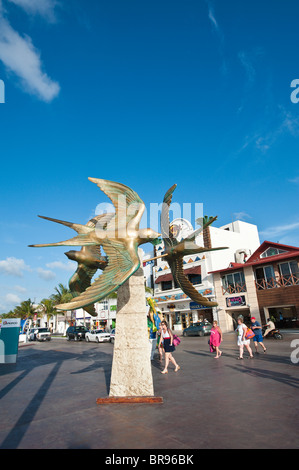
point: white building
(106, 315)
(240, 237)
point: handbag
(176, 340)
(249, 334)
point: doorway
(284, 317)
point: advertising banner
(9, 340)
(239, 301)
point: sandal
(164, 371)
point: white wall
(240, 235)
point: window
(234, 282)
(272, 251)
(265, 277)
(290, 271)
(166, 285)
(194, 278)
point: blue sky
(148, 93)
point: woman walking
(216, 339)
(159, 343)
(242, 341)
(167, 338)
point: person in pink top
(215, 339)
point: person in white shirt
(242, 341)
(270, 326)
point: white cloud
(70, 266)
(294, 180)
(247, 64)
(211, 14)
(242, 215)
(44, 8)
(216, 27)
(282, 124)
(8, 302)
(20, 289)
(21, 58)
(45, 274)
(279, 230)
(13, 267)
(12, 299)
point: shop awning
(168, 277)
(164, 278)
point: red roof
(254, 259)
(168, 277)
(266, 244)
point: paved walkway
(48, 399)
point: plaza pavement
(48, 399)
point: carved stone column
(131, 368)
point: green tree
(47, 306)
(25, 310)
(62, 295)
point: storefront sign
(167, 298)
(196, 306)
(9, 340)
(236, 301)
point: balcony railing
(281, 281)
(234, 289)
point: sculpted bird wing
(121, 265)
(100, 221)
(82, 277)
(84, 231)
(176, 266)
(80, 281)
(79, 228)
(127, 203)
(168, 239)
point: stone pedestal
(131, 368)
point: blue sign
(196, 306)
(9, 340)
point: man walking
(258, 337)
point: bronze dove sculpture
(119, 239)
(175, 252)
(89, 260)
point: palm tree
(25, 310)
(62, 295)
(48, 309)
(10, 314)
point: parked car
(76, 332)
(99, 336)
(112, 335)
(198, 329)
(39, 334)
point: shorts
(258, 338)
